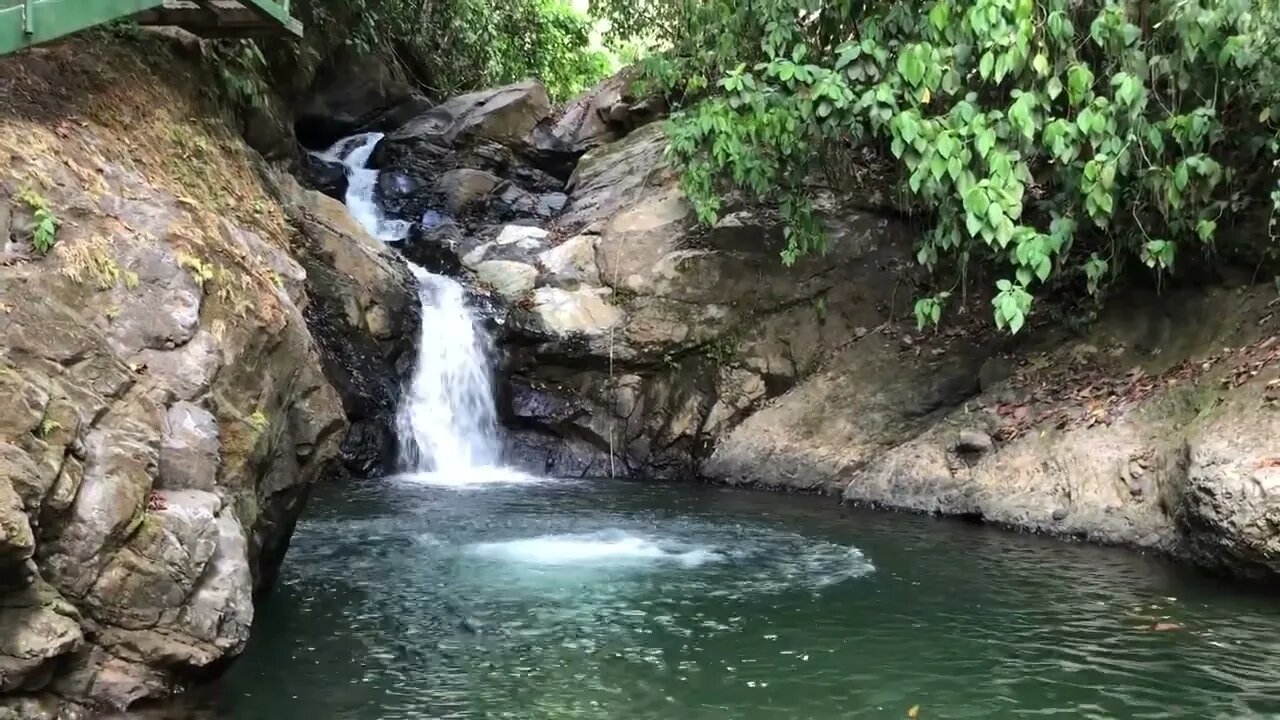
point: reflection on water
(626, 601)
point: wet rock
(324, 176)
(1060, 514)
(355, 94)
(513, 201)
(364, 314)
(434, 247)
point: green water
(624, 601)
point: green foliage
(45, 233)
(1051, 142)
(47, 427)
(258, 422)
(201, 271)
(458, 45)
(241, 71)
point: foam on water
(611, 547)
(473, 478)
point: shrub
(1050, 141)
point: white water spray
(447, 421)
(447, 424)
(353, 153)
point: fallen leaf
(914, 712)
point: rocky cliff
(164, 404)
(639, 343)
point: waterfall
(353, 153)
(447, 423)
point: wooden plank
(39, 21)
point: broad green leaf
(986, 65)
(1015, 322)
(1079, 82)
(1180, 176)
(985, 141)
(1040, 64)
(940, 16)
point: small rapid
(362, 182)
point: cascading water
(353, 153)
(447, 422)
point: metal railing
(25, 23)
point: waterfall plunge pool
(629, 601)
(465, 590)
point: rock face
(354, 94)
(363, 313)
(164, 406)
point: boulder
(465, 190)
(585, 311)
(163, 407)
(505, 115)
(512, 280)
(354, 94)
(1230, 509)
(363, 311)
(605, 113)
(326, 176)
(572, 262)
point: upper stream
(461, 590)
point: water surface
(625, 601)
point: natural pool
(621, 601)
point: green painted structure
(25, 23)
